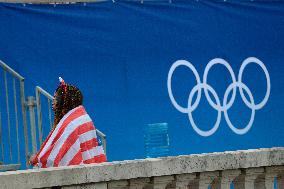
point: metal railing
(15, 76)
(39, 92)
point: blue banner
(212, 70)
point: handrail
(21, 79)
(44, 92)
(10, 70)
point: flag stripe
(78, 113)
(89, 144)
(69, 129)
(92, 152)
(72, 142)
(77, 159)
(88, 136)
(64, 122)
(49, 140)
(71, 139)
(97, 159)
(72, 152)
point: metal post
(49, 113)
(16, 117)
(23, 104)
(31, 106)
(104, 144)
(8, 114)
(39, 116)
(103, 137)
(1, 141)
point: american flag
(72, 142)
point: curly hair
(68, 97)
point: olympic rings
(226, 104)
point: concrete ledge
(130, 169)
(52, 1)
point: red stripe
(77, 159)
(77, 113)
(89, 144)
(97, 159)
(43, 166)
(71, 140)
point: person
(73, 140)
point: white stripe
(88, 136)
(89, 154)
(39, 164)
(69, 129)
(70, 154)
(48, 143)
(76, 147)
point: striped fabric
(72, 142)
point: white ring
(205, 74)
(169, 84)
(265, 99)
(217, 123)
(249, 125)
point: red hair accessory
(62, 84)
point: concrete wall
(254, 166)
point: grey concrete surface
(51, 1)
(143, 168)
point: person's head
(66, 98)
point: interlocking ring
(192, 68)
(217, 123)
(226, 104)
